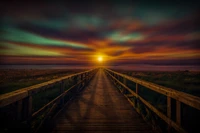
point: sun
(100, 59)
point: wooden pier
(100, 108)
(94, 101)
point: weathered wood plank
(62, 86)
(27, 108)
(178, 112)
(19, 110)
(136, 88)
(169, 107)
(12, 97)
(100, 108)
(169, 112)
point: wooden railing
(21, 101)
(180, 97)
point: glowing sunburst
(100, 59)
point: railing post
(169, 111)
(19, 110)
(124, 82)
(81, 81)
(76, 79)
(111, 75)
(87, 74)
(62, 86)
(115, 78)
(178, 112)
(118, 80)
(136, 91)
(84, 77)
(136, 88)
(27, 108)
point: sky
(124, 33)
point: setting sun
(100, 59)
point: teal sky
(123, 32)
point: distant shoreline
(131, 68)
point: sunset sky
(124, 33)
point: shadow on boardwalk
(99, 108)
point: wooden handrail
(11, 97)
(185, 98)
(22, 98)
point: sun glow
(100, 59)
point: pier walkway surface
(99, 108)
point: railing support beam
(27, 108)
(178, 112)
(62, 86)
(169, 112)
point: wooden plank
(19, 110)
(124, 81)
(32, 90)
(136, 91)
(12, 97)
(129, 95)
(136, 88)
(82, 84)
(169, 107)
(169, 112)
(100, 108)
(27, 108)
(178, 112)
(62, 86)
(30, 105)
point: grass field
(13, 79)
(186, 81)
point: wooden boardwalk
(100, 108)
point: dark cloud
(116, 28)
(158, 62)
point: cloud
(16, 35)
(13, 49)
(125, 32)
(158, 62)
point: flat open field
(186, 81)
(13, 79)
